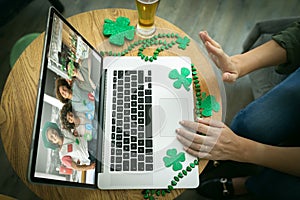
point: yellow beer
(146, 10)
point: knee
(246, 124)
(238, 124)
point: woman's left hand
(218, 142)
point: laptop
(117, 128)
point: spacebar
(148, 118)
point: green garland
(160, 40)
(164, 45)
(150, 194)
(145, 43)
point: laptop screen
(66, 121)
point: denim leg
(271, 184)
(274, 118)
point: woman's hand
(218, 142)
(220, 58)
(78, 167)
(69, 81)
(92, 165)
(221, 143)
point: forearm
(284, 159)
(268, 54)
(80, 167)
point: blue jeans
(273, 119)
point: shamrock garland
(150, 194)
(160, 40)
(204, 104)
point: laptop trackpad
(171, 111)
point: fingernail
(199, 118)
(181, 122)
(201, 34)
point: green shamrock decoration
(183, 42)
(174, 159)
(209, 104)
(118, 30)
(182, 78)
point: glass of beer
(146, 11)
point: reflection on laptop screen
(68, 128)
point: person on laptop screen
(73, 151)
(82, 100)
(81, 74)
(81, 124)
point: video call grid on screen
(69, 52)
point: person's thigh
(273, 118)
(271, 184)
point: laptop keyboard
(131, 137)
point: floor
(228, 22)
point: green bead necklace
(161, 41)
(150, 194)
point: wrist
(237, 62)
(250, 151)
(240, 149)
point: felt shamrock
(174, 159)
(182, 78)
(118, 30)
(183, 42)
(209, 104)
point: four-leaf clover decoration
(182, 78)
(118, 30)
(209, 104)
(174, 159)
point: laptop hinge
(101, 110)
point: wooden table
(19, 98)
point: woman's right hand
(92, 165)
(220, 58)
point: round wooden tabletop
(20, 93)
